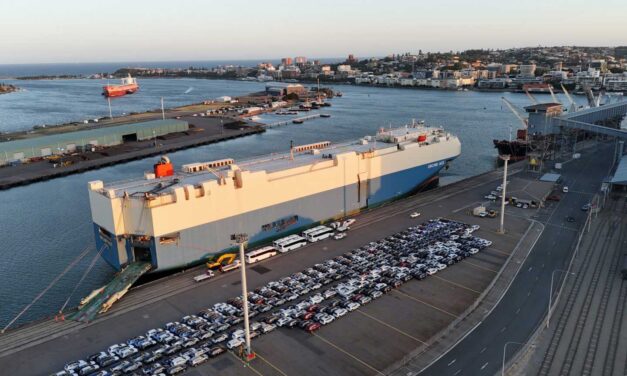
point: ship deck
(269, 163)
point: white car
(235, 342)
(415, 215)
(432, 271)
(326, 319)
(490, 197)
(316, 299)
(565, 189)
(339, 236)
(339, 312)
(282, 321)
(473, 251)
(352, 306)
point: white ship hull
(193, 222)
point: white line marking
(503, 329)
(482, 350)
(453, 361)
(485, 365)
(518, 311)
(458, 371)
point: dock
(206, 130)
(168, 299)
(297, 120)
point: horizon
(71, 31)
(266, 59)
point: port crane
(531, 97)
(515, 111)
(573, 106)
(553, 95)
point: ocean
(44, 226)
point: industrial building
(281, 89)
(62, 143)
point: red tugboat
(128, 85)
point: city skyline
(72, 31)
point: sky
(62, 31)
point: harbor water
(45, 226)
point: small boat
(298, 121)
(338, 94)
(325, 115)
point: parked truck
(201, 277)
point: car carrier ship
(173, 219)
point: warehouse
(20, 150)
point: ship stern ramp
(101, 302)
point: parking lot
(339, 289)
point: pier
(297, 120)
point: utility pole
(241, 240)
(162, 110)
(503, 193)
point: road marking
(425, 303)
(246, 365)
(482, 350)
(503, 329)
(530, 268)
(458, 371)
(347, 353)
(485, 365)
(391, 327)
(518, 311)
(457, 284)
(270, 364)
(453, 361)
(465, 261)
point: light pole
(503, 193)
(162, 110)
(241, 240)
(548, 316)
(505, 349)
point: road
(524, 306)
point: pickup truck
(208, 274)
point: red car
(313, 308)
(307, 315)
(553, 198)
(313, 327)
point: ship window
(170, 239)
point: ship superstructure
(187, 217)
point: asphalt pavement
(524, 306)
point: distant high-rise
(351, 59)
(300, 60)
(528, 70)
(286, 61)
